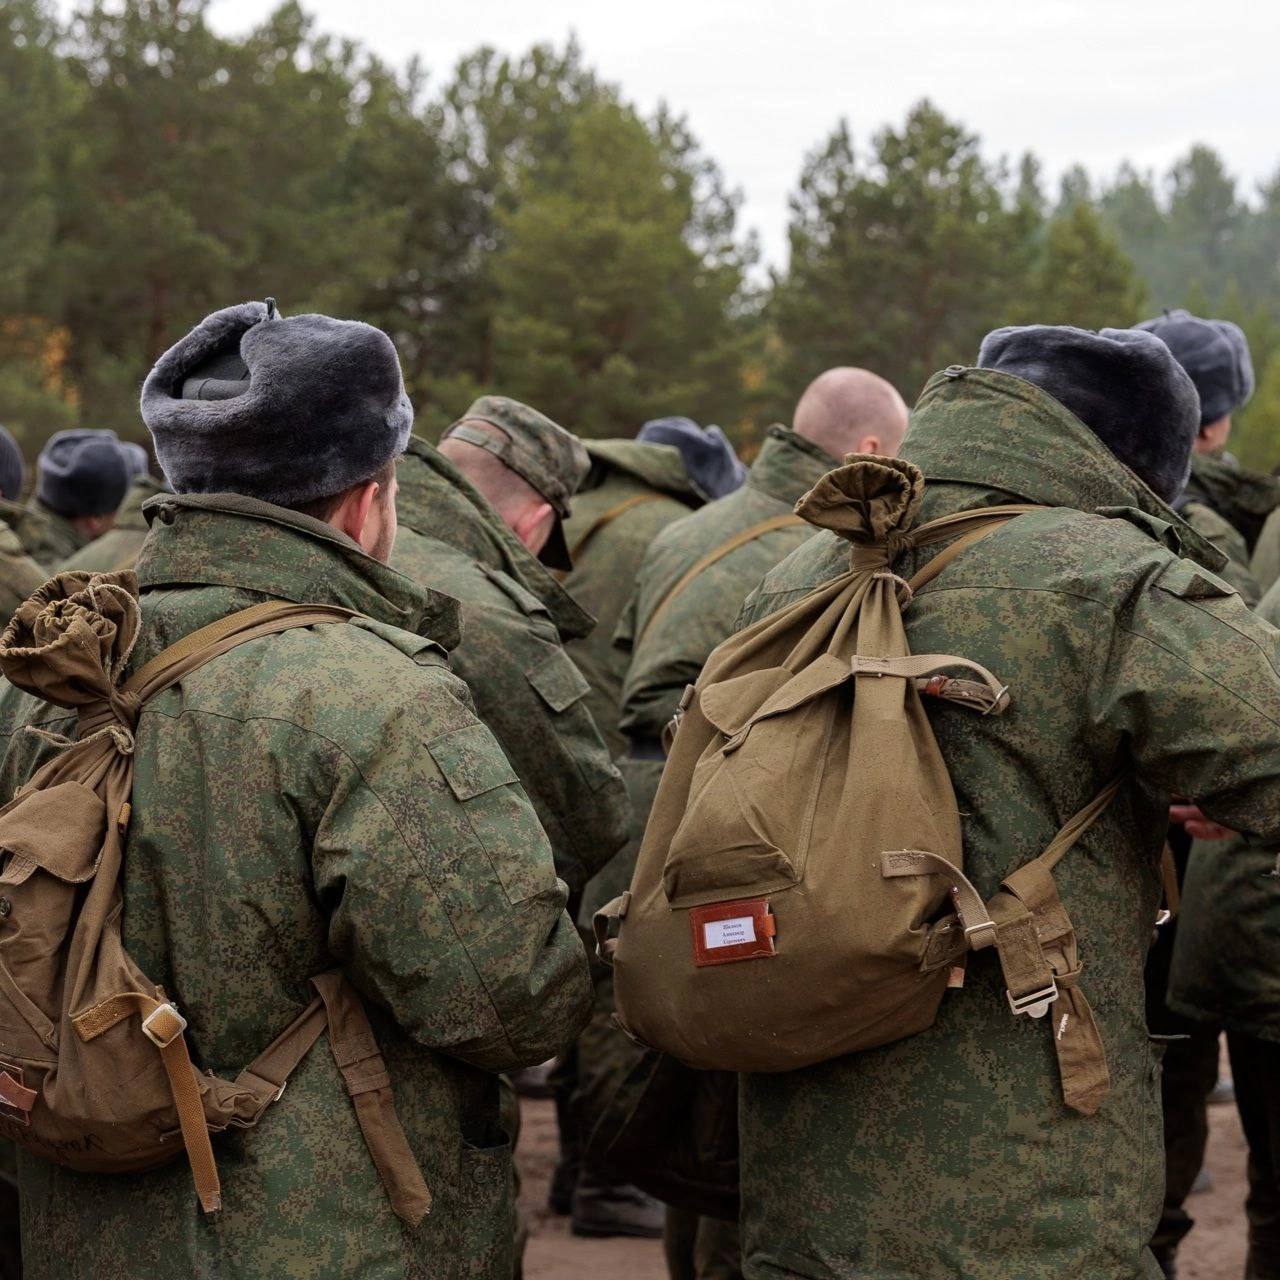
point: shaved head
(848, 410)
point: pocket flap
(558, 680)
(734, 705)
(471, 761)
(60, 829)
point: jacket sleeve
(528, 691)
(438, 882)
(1189, 689)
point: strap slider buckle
(1035, 1004)
(175, 1028)
(980, 935)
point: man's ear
(533, 525)
(870, 444)
(352, 516)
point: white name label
(729, 933)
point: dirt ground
(1214, 1250)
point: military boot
(604, 1209)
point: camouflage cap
(538, 450)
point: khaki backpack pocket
(754, 791)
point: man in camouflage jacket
(118, 548)
(951, 1153)
(322, 797)
(515, 621)
(675, 620)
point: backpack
(800, 890)
(95, 1072)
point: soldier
(691, 585)
(475, 516)
(633, 489)
(1223, 502)
(118, 548)
(81, 478)
(952, 1153)
(322, 797)
(19, 574)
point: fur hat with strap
(1215, 354)
(283, 410)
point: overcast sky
(1095, 81)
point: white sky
(763, 81)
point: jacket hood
(658, 465)
(1002, 439)
(437, 501)
(227, 540)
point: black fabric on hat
(1123, 384)
(12, 466)
(83, 473)
(323, 406)
(1215, 353)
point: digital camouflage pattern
(606, 555)
(1226, 958)
(1222, 534)
(46, 537)
(323, 796)
(118, 548)
(1242, 497)
(669, 649)
(951, 1153)
(515, 618)
(1265, 564)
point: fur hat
(135, 459)
(1123, 384)
(1215, 353)
(713, 467)
(12, 467)
(320, 407)
(82, 472)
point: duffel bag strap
(163, 1025)
(364, 1072)
(614, 912)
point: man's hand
(1198, 827)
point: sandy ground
(1214, 1250)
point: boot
(600, 1209)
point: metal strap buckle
(153, 1015)
(1035, 1004)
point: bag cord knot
(872, 502)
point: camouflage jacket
(316, 798)
(631, 492)
(19, 573)
(1265, 563)
(118, 548)
(46, 537)
(1243, 498)
(515, 619)
(670, 642)
(1226, 954)
(951, 1153)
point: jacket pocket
(489, 793)
(486, 1211)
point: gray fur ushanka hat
(1215, 354)
(314, 406)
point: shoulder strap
(194, 650)
(608, 516)
(972, 526)
(739, 539)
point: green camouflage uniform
(951, 1153)
(46, 537)
(118, 548)
(651, 481)
(323, 796)
(19, 573)
(515, 619)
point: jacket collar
(1243, 498)
(983, 438)
(788, 465)
(225, 540)
(437, 501)
(660, 466)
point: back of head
(1215, 354)
(520, 460)
(83, 472)
(710, 461)
(848, 410)
(289, 411)
(12, 467)
(1123, 384)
